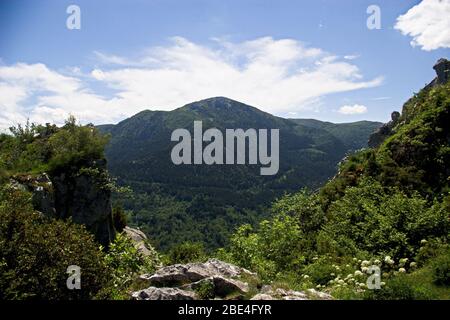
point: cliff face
(81, 194)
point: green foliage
(119, 218)
(75, 144)
(378, 220)
(35, 253)
(187, 252)
(174, 204)
(441, 269)
(205, 290)
(125, 262)
(35, 148)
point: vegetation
(174, 204)
(387, 207)
(35, 253)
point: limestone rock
(178, 274)
(141, 241)
(153, 293)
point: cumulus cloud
(354, 109)
(428, 23)
(277, 76)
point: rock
(442, 68)
(153, 293)
(319, 295)
(80, 193)
(386, 130)
(222, 286)
(83, 195)
(218, 279)
(263, 296)
(178, 274)
(141, 241)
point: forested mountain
(205, 203)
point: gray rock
(179, 274)
(263, 296)
(141, 241)
(153, 293)
(222, 286)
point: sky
(298, 59)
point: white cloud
(354, 109)
(277, 76)
(351, 57)
(428, 23)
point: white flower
(402, 270)
(358, 273)
(387, 258)
(377, 262)
(305, 276)
(341, 281)
(423, 241)
(362, 285)
(365, 263)
(332, 274)
(413, 264)
(382, 284)
(364, 269)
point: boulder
(222, 286)
(179, 274)
(153, 293)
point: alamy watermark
(213, 153)
(73, 21)
(74, 279)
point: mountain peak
(217, 103)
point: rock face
(78, 193)
(213, 279)
(384, 131)
(140, 239)
(442, 68)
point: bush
(119, 218)
(35, 253)
(383, 221)
(401, 287)
(187, 252)
(441, 269)
(125, 262)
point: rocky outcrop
(384, 131)
(153, 293)
(140, 240)
(78, 193)
(268, 293)
(213, 279)
(442, 68)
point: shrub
(441, 269)
(187, 252)
(35, 253)
(379, 221)
(205, 290)
(119, 218)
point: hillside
(205, 203)
(380, 228)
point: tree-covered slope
(205, 203)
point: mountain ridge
(215, 198)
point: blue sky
(133, 55)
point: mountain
(205, 203)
